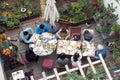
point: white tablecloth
(68, 47)
(88, 49)
(42, 44)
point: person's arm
(80, 55)
(57, 34)
(30, 29)
(68, 34)
(46, 28)
(83, 34)
(37, 30)
(92, 34)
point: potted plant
(116, 52)
(114, 29)
(88, 8)
(73, 76)
(88, 23)
(72, 13)
(2, 19)
(9, 24)
(16, 22)
(4, 5)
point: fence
(80, 68)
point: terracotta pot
(117, 62)
(112, 33)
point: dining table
(88, 49)
(68, 47)
(43, 44)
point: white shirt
(74, 63)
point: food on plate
(52, 45)
(69, 48)
(44, 45)
(38, 43)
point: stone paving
(37, 66)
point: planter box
(81, 22)
(29, 17)
(76, 23)
(12, 28)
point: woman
(63, 34)
(76, 57)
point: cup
(8, 38)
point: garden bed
(15, 11)
(77, 23)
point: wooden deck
(22, 47)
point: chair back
(75, 30)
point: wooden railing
(80, 68)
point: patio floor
(37, 66)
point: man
(26, 34)
(42, 28)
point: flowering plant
(6, 51)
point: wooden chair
(75, 30)
(63, 24)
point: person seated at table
(63, 34)
(30, 56)
(101, 49)
(88, 35)
(28, 74)
(76, 57)
(26, 34)
(62, 59)
(42, 28)
(76, 37)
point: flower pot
(117, 62)
(88, 23)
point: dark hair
(76, 56)
(86, 32)
(63, 30)
(25, 32)
(76, 37)
(41, 26)
(62, 56)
